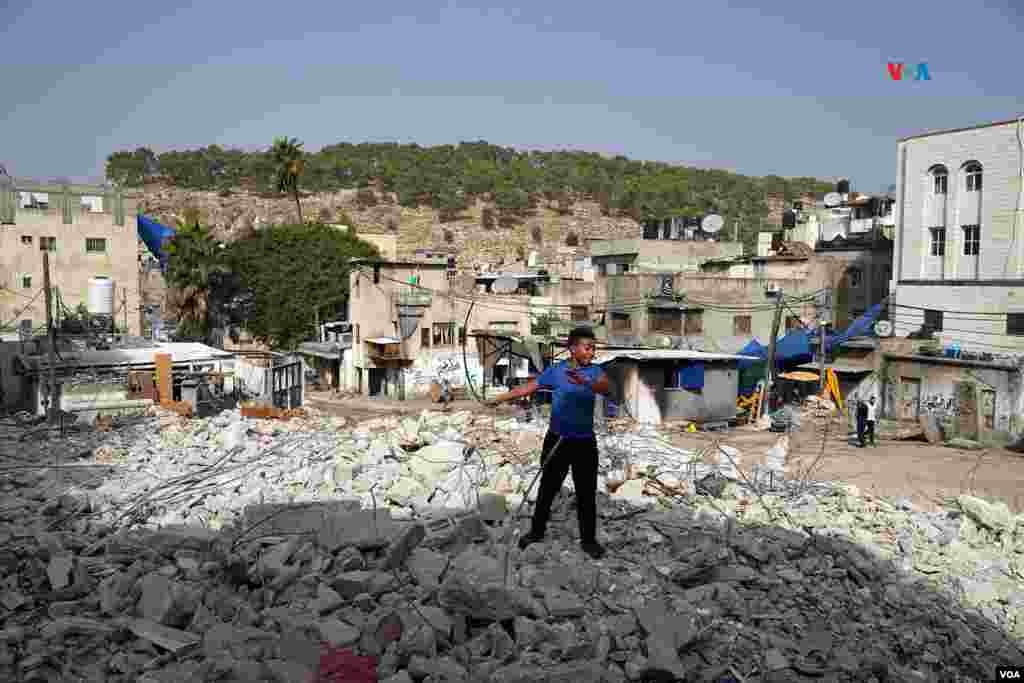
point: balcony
(413, 297)
(384, 349)
(862, 225)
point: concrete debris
(236, 549)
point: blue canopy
(753, 348)
(154, 235)
(793, 349)
(862, 326)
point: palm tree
(288, 158)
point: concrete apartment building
(959, 243)
(88, 231)
(720, 307)
(406, 336)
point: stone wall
(544, 229)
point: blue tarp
(753, 348)
(154, 235)
(691, 376)
(861, 327)
(793, 349)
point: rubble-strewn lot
(280, 542)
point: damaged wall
(641, 386)
(977, 399)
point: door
(910, 398)
(988, 409)
(376, 381)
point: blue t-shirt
(572, 405)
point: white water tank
(101, 296)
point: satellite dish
(833, 199)
(505, 285)
(712, 223)
(883, 328)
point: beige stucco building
(406, 336)
(86, 233)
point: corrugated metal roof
(669, 354)
(181, 352)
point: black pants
(581, 455)
(861, 427)
(869, 431)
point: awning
(384, 340)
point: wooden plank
(164, 384)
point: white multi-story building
(959, 248)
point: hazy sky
(798, 90)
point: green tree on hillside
(289, 164)
(294, 275)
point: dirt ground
(923, 472)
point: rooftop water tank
(101, 296)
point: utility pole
(821, 357)
(51, 333)
(736, 230)
(770, 381)
(124, 305)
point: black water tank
(843, 186)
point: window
(621, 322)
(47, 244)
(425, 338)
(793, 323)
(855, 277)
(972, 239)
(694, 322)
(665, 320)
(580, 313)
(95, 245)
(624, 268)
(376, 275)
(972, 172)
(444, 334)
(26, 282)
(933, 320)
(938, 241)
(1015, 324)
(26, 239)
(741, 325)
(602, 269)
(760, 268)
(940, 180)
(462, 335)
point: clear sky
(797, 90)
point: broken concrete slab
(171, 639)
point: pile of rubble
(732, 583)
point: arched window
(972, 175)
(940, 179)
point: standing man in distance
(871, 419)
(570, 441)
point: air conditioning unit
(772, 291)
(665, 286)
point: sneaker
(594, 549)
(529, 539)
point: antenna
(833, 199)
(712, 223)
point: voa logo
(898, 71)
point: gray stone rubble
(229, 549)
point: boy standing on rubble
(570, 441)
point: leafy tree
(294, 276)
(195, 259)
(289, 162)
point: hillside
(475, 196)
